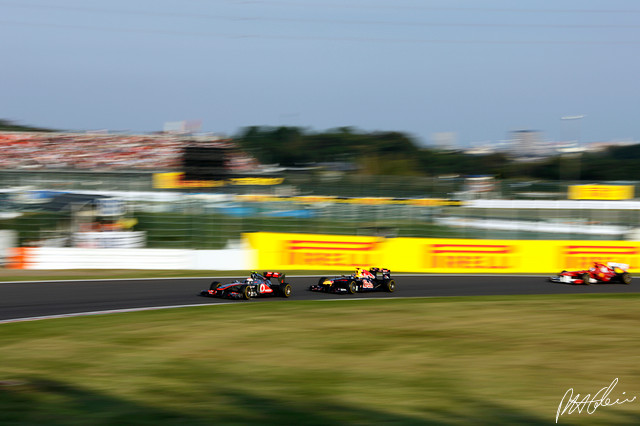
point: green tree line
(376, 153)
(395, 153)
(10, 126)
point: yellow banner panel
(505, 256)
(423, 255)
(309, 199)
(581, 254)
(311, 251)
(455, 255)
(256, 181)
(601, 192)
(175, 180)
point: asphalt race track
(35, 299)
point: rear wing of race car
(386, 273)
(622, 266)
(277, 275)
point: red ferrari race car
(256, 285)
(362, 280)
(610, 272)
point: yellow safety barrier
(309, 199)
(334, 252)
(310, 251)
(175, 180)
(601, 192)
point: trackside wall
(78, 258)
(330, 252)
(338, 252)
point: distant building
(182, 127)
(445, 140)
(527, 143)
(481, 150)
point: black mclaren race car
(256, 285)
(375, 279)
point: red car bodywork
(599, 273)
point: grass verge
(481, 360)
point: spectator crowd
(99, 152)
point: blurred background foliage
(396, 153)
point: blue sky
(477, 68)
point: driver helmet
(359, 272)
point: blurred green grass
(460, 360)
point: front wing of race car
(234, 292)
(226, 295)
(333, 285)
(568, 279)
(328, 288)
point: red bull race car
(256, 285)
(374, 279)
(610, 272)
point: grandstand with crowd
(111, 152)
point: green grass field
(466, 360)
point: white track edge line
(156, 308)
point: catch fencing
(216, 218)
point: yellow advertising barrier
(309, 199)
(601, 192)
(337, 252)
(311, 251)
(505, 256)
(175, 180)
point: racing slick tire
(246, 292)
(390, 285)
(214, 285)
(352, 287)
(585, 278)
(285, 290)
(624, 278)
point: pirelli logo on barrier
(601, 192)
(491, 257)
(582, 256)
(329, 253)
